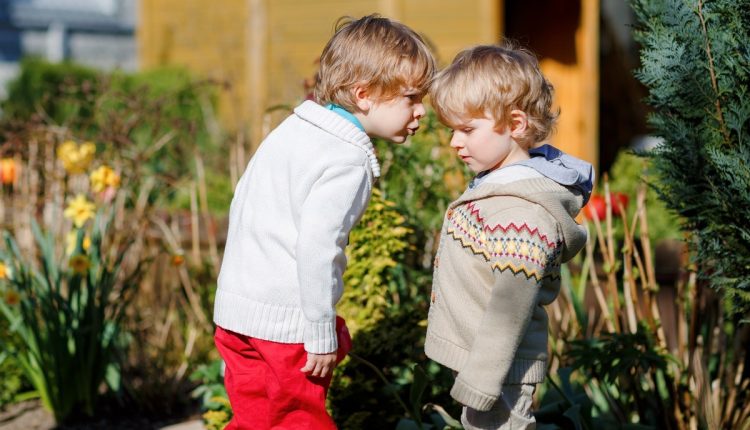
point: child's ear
(519, 122)
(362, 97)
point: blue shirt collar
(346, 114)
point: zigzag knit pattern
(521, 249)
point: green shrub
(53, 91)
(376, 245)
(696, 65)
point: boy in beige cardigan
(504, 239)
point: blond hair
(491, 80)
(382, 55)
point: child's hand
(320, 365)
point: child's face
(482, 147)
(395, 119)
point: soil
(26, 415)
(30, 415)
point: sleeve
(335, 203)
(520, 254)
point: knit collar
(340, 127)
(346, 114)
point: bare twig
(207, 219)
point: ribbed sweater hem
(522, 370)
(469, 396)
(445, 352)
(273, 322)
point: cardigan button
(450, 213)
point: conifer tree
(695, 62)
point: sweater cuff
(469, 396)
(320, 337)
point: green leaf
(113, 377)
(417, 389)
(574, 414)
(444, 416)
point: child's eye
(414, 98)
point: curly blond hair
(489, 81)
(382, 55)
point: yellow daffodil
(104, 177)
(76, 158)
(215, 417)
(3, 271)
(221, 400)
(79, 210)
(12, 297)
(70, 242)
(79, 263)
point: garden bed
(30, 415)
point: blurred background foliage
(157, 132)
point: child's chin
(398, 139)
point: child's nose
(456, 142)
(419, 110)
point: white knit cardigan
(303, 191)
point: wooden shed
(266, 49)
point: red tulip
(618, 200)
(595, 208)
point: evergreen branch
(712, 71)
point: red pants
(266, 388)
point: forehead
(455, 120)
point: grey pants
(512, 411)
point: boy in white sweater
(303, 191)
(504, 239)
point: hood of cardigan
(548, 161)
(562, 168)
